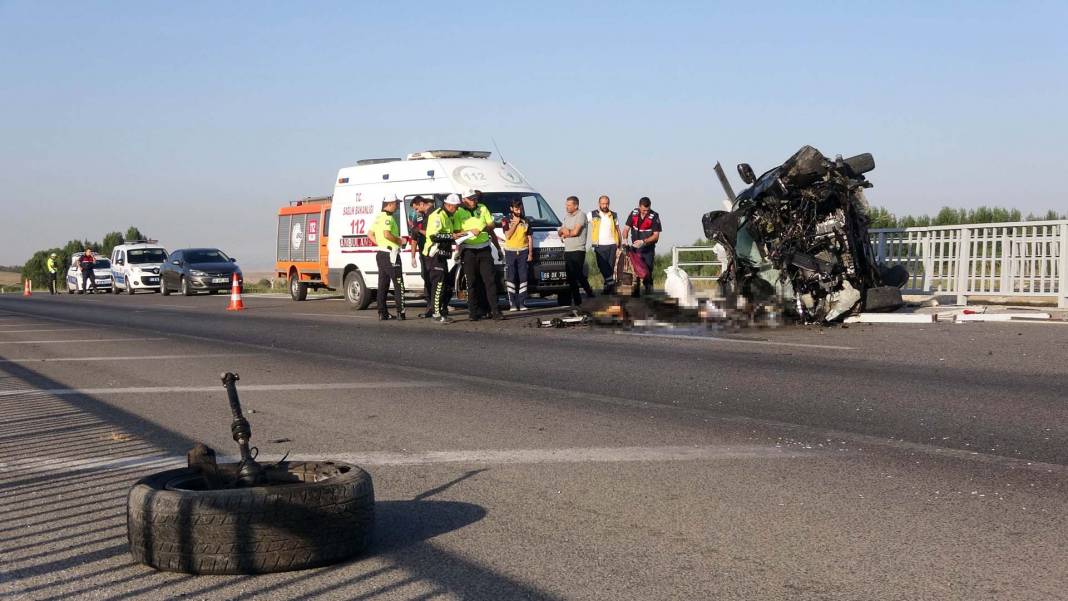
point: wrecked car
(798, 236)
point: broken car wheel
(304, 515)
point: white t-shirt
(604, 232)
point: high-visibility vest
(471, 220)
(52, 265)
(595, 226)
(385, 222)
(439, 222)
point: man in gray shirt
(573, 233)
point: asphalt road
(874, 462)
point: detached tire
(285, 526)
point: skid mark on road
(742, 341)
(244, 388)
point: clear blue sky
(194, 121)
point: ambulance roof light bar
(449, 154)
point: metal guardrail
(990, 259)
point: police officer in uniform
(53, 273)
(385, 234)
(421, 208)
(437, 248)
(642, 229)
(475, 225)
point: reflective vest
(52, 265)
(438, 222)
(475, 219)
(595, 226)
(518, 239)
(385, 222)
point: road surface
(874, 462)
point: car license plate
(552, 275)
(103, 281)
(219, 280)
(151, 280)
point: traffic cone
(26, 289)
(236, 304)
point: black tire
(163, 289)
(183, 287)
(253, 530)
(356, 291)
(129, 287)
(297, 290)
(563, 299)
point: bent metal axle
(250, 473)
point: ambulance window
(325, 229)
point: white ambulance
(432, 174)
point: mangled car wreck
(798, 236)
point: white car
(101, 275)
(136, 266)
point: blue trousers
(516, 275)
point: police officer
(53, 273)
(86, 262)
(421, 208)
(437, 248)
(475, 225)
(642, 229)
(385, 234)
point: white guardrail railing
(989, 259)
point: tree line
(883, 218)
(36, 267)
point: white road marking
(130, 358)
(244, 388)
(2, 331)
(562, 455)
(742, 341)
(73, 341)
(483, 456)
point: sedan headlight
(196, 272)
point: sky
(196, 121)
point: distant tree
(881, 217)
(132, 233)
(111, 240)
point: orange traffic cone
(236, 304)
(26, 289)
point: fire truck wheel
(356, 291)
(312, 514)
(297, 290)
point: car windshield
(102, 264)
(535, 209)
(206, 256)
(146, 255)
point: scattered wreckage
(248, 517)
(797, 238)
